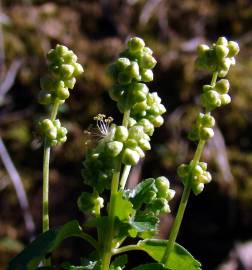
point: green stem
(125, 175)
(108, 241)
(46, 161)
(89, 239)
(182, 206)
(125, 249)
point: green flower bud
(114, 148)
(133, 70)
(203, 165)
(140, 107)
(197, 170)
(138, 96)
(78, 70)
(131, 122)
(221, 51)
(160, 205)
(62, 139)
(146, 75)
(206, 133)
(212, 98)
(161, 109)
(52, 134)
(124, 77)
(121, 134)
(163, 186)
(207, 87)
(139, 87)
(70, 83)
(207, 121)
(170, 195)
(148, 50)
(116, 92)
(122, 63)
(144, 144)
(136, 132)
(45, 125)
(61, 132)
(130, 157)
(131, 143)
(222, 86)
(183, 170)
(197, 189)
(222, 41)
(44, 98)
(147, 126)
(158, 121)
(136, 44)
(202, 48)
(150, 196)
(62, 93)
(205, 178)
(66, 71)
(233, 48)
(225, 99)
(52, 55)
(147, 61)
(139, 151)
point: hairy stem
(125, 175)
(185, 196)
(46, 161)
(107, 250)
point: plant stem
(126, 248)
(46, 160)
(186, 194)
(125, 175)
(182, 206)
(108, 241)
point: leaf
(138, 193)
(124, 207)
(180, 258)
(150, 266)
(43, 245)
(119, 261)
(144, 223)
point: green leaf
(150, 266)
(124, 209)
(180, 258)
(43, 245)
(144, 223)
(137, 195)
(119, 261)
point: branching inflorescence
(128, 212)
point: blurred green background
(217, 225)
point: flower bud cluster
(52, 131)
(90, 203)
(215, 96)
(197, 175)
(63, 70)
(219, 57)
(203, 128)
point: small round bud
(139, 151)
(144, 144)
(207, 87)
(124, 77)
(225, 99)
(133, 70)
(222, 41)
(233, 48)
(66, 70)
(147, 125)
(202, 48)
(114, 148)
(197, 189)
(213, 98)
(131, 143)
(158, 121)
(148, 50)
(150, 196)
(116, 92)
(222, 86)
(203, 165)
(221, 51)
(197, 170)
(147, 75)
(122, 63)
(70, 83)
(206, 133)
(136, 44)
(163, 185)
(136, 132)
(147, 61)
(52, 134)
(183, 170)
(207, 121)
(121, 134)
(62, 93)
(78, 70)
(130, 157)
(44, 97)
(61, 132)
